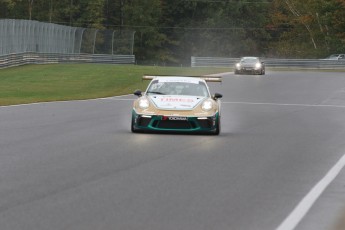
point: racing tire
(133, 130)
(217, 131)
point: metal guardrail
(270, 62)
(46, 58)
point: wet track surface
(76, 165)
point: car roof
(250, 57)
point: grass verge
(61, 82)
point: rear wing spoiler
(206, 78)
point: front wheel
(133, 130)
(217, 131)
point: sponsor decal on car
(175, 102)
(172, 99)
(186, 80)
(165, 118)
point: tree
(143, 17)
(206, 28)
(306, 28)
(90, 14)
(30, 5)
(339, 26)
(173, 31)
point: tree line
(171, 31)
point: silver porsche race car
(177, 104)
(250, 65)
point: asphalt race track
(76, 165)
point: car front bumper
(249, 70)
(160, 123)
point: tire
(133, 130)
(217, 131)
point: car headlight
(238, 65)
(207, 105)
(144, 103)
(258, 65)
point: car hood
(176, 102)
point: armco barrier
(46, 58)
(270, 62)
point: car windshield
(249, 60)
(178, 88)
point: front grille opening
(144, 121)
(207, 123)
(174, 125)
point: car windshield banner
(176, 102)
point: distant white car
(335, 57)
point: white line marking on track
(117, 99)
(308, 201)
(281, 104)
(47, 102)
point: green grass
(60, 82)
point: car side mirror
(217, 96)
(138, 93)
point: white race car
(177, 104)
